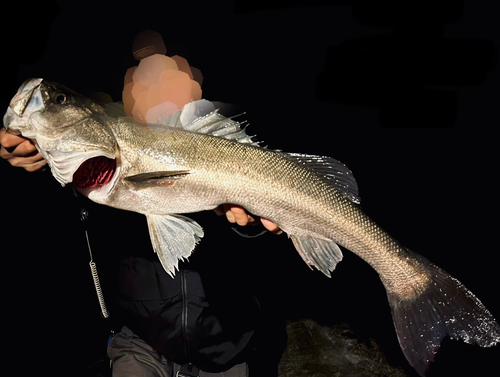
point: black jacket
(190, 318)
(214, 313)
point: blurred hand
(20, 152)
(237, 214)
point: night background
(405, 94)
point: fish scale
(292, 188)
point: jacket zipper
(184, 314)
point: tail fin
(445, 308)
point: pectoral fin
(156, 178)
(173, 237)
(321, 253)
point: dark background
(404, 93)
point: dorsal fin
(218, 125)
(203, 117)
(333, 170)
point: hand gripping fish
(198, 159)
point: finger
(270, 226)
(8, 140)
(22, 160)
(38, 166)
(30, 164)
(241, 216)
(24, 149)
(229, 214)
(225, 209)
(219, 211)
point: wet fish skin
(269, 184)
(165, 171)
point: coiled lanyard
(93, 268)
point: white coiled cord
(97, 283)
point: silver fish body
(195, 161)
(270, 184)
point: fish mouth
(28, 99)
(94, 173)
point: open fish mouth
(94, 172)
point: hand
(237, 214)
(20, 152)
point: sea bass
(197, 159)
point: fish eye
(60, 98)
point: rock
(320, 351)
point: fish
(198, 159)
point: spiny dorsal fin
(218, 125)
(333, 170)
(202, 116)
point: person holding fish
(196, 159)
(20, 152)
(183, 340)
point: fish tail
(444, 307)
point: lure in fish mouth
(72, 159)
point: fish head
(69, 130)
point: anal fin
(321, 253)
